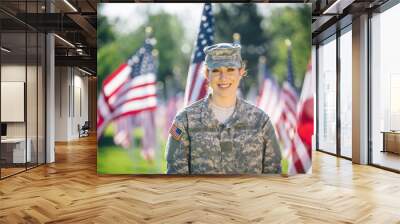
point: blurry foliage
(260, 36)
(170, 57)
(112, 159)
(293, 24)
(245, 20)
(105, 33)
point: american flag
(130, 89)
(174, 103)
(196, 87)
(305, 125)
(149, 140)
(269, 96)
(294, 149)
(123, 132)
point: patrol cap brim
(223, 63)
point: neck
(223, 101)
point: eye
(230, 69)
(215, 70)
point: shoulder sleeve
(272, 153)
(178, 146)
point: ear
(206, 74)
(242, 71)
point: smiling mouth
(224, 85)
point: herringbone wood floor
(70, 191)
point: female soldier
(222, 134)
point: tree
(169, 33)
(105, 32)
(292, 23)
(245, 20)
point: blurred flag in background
(128, 98)
(290, 116)
(305, 110)
(196, 87)
(269, 96)
(174, 103)
(141, 119)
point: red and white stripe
(269, 100)
(286, 123)
(305, 118)
(289, 101)
(295, 149)
(286, 128)
(142, 85)
(149, 139)
(123, 132)
(297, 153)
(122, 95)
(282, 107)
(196, 85)
(116, 80)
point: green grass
(112, 159)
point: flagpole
(262, 61)
(148, 31)
(236, 38)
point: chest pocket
(205, 151)
(248, 146)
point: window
(346, 93)
(22, 88)
(385, 88)
(327, 96)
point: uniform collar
(208, 118)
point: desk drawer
(392, 142)
(6, 154)
(19, 153)
(14, 152)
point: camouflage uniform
(245, 143)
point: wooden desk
(13, 150)
(391, 141)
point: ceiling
(73, 21)
(330, 15)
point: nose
(222, 75)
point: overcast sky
(132, 15)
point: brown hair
(243, 66)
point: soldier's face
(224, 80)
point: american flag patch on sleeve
(175, 132)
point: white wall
(71, 87)
(12, 73)
(80, 93)
(61, 103)
(33, 126)
(16, 73)
(314, 74)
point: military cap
(223, 54)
